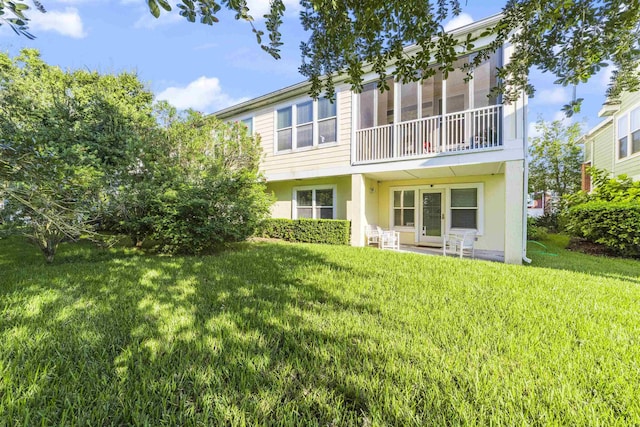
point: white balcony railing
(469, 130)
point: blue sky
(212, 67)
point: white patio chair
(390, 240)
(372, 232)
(459, 243)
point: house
(423, 158)
(541, 203)
(614, 144)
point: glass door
(432, 217)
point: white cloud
(203, 94)
(252, 58)
(605, 75)
(562, 117)
(533, 132)
(67, 23)
(556, 96)
(258, 8)
(459, 21)
(206, 46)
(148, 21)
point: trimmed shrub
(616, 225)
(329, 231)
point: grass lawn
(316, 335)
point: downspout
(525, 189)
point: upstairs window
(249, 124)
(284, 129)
(634, 130)
(327, 121)
(306, 124)
(628, 134)
(376, 108)
(433, 94)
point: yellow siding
(494, 207)
(283, 191)
(309, 159)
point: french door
(431, 217)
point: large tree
(572, 39)
(64, 136)
(555, 158)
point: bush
(329, 231)
(616, 225)
(549, 221)
(201, 217)
(534, 231)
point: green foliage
(552, 221)
(608, 189)
(535, 231)
(79, 148)
(329, 231)
(556, 158)
(571, 40)
(193, 186)
(298, 334)
(615, 225)
(609, 214)
(13, 13)
(62, 137)
(201, 217)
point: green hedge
(615, 225)
(329, 231)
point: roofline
(303, 87)
(596, 128)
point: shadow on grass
(109, 337)
(558, 257)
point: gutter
(525, 190)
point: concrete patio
(495, 256)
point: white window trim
(479, 186)
(294, 198)
(315, 127)
(628, 133)
(447, 206)
(416, 197)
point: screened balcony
(431, 116)
(468, 130)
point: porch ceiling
(439, 172)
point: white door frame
(431, 240)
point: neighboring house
(541, 202)
(614, 144)
(422, 158)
